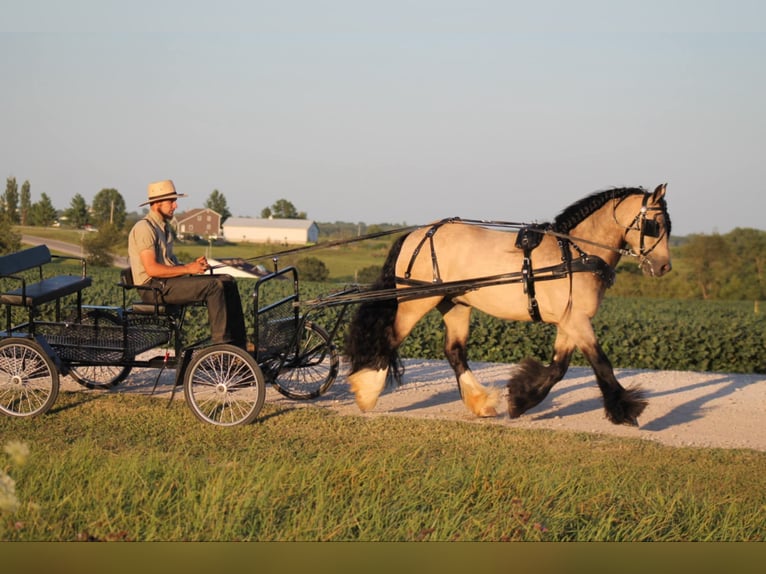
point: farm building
(204, 223)
(279, 231)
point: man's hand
(200, 265)
(161, 271)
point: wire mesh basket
(276, 329)
(104, 340)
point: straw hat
(162, 190)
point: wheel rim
(99, 376)
(28, 381)
(104, 376)
(312, 371)
(224, 386)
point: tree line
(729, 266)
(107, 215)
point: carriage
(554, 272)
(99, 345)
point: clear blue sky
(395, 111)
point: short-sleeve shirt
(151, 232)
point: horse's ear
(659, 192)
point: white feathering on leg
(480, 401)
(367, 384)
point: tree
(313, 269)
(282, 209)
(42, 213)
(10, 241)
(747, 279)
(77, 214)
(98, 246)
(11, 200)
(26, 202)
(368, 274)
(108, 208)
(707, 257)
(217, 202)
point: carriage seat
(46, 289)
(157, 307)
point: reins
(277, 254)
(530, 235)
(481, 222)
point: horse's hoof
(488, 412)
(631, 421)
(515, 410)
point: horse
(553, 272)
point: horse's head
(647, 235)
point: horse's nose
(666, 268)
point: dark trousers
(220, 295)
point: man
(152, 262)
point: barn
(278, 231)
(203, 223)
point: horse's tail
(369, 340)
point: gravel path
(685, 408)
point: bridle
(646, 227)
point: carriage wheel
(29, 381)
(311, 370)
(223, 385)
(100, 376)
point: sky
(391, 112)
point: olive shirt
(151, 232)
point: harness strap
(429, 235)
(527, 240)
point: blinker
(651, 227)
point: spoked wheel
(29, 381)
(224, 386)
(99, 376)
(310, 368)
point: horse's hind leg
(478, 399)
(532, 381)
(368, 380)
(367, 384)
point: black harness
(528, 238)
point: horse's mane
(578, 211)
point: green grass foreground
(115, 467)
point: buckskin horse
(553, 272)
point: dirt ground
(685, 408)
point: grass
(108, 466)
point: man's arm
(161, 271)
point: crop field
(723, 336)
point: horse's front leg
(532, 381)
(622, 406)
(479, 400)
